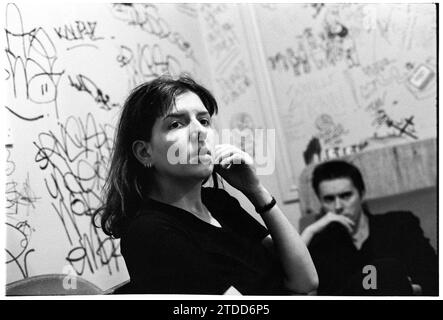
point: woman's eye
(174, 125)
(205, 122)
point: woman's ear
(142, 151)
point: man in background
(358, 253)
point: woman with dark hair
(180, 237)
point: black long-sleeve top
(169, 250)
(396, 246)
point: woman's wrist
(259, 197)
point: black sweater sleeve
(333, 255)
(229, 210)
(421, 259)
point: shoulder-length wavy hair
(128, 180)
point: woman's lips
(204, 156)
(203, 151)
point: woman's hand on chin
(236, 167)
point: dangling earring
(148, 165)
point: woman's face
(182, 141)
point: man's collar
(362, 233)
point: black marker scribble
(336, 152)
(269, 6)
(147, 17)
(75, 159)
(188, 9)
(232, 72)
(16, 196)
(18, 242)
(405, 126)
(235, 83)
(314, 152)
(80, 30)
(83, 83)
(10, 164)
(317, 7)
(328, 130)
(83, 45)
(23, 117)
(221, 39)
(33, 54)
(383, 73)
(297, 61)
(146, 62)
(332, 45)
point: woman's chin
(202, 170)
(206, 169)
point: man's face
(340, 196)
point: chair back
(52, 284)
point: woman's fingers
(228, 153)
(222, 153)
(233, 159)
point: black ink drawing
(84, 84)
(314, 152)
(405, 126)
(16, 196)
(74, 160)
(10, 164)
(23, 117)
(221, 39)
(235, 83)
(18, 250)
(329, 131)
(33, 54)
(242, 130)
(80, 30)
(232, 74)
(147, 17)
(188, 9)
(146, 62)
(332, 45)
(337, 152)
(317, 7)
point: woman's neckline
(186, 213)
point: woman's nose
(198, 132)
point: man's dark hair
(336, 169)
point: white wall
(83, 59)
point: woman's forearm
(307, 235)
(300, 273)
